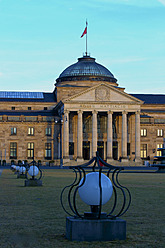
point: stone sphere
(22, 169)
(17, 168)
(33, 170)
(90, 191)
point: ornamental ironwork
(119, 195)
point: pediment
(103, 93)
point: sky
(40, 38)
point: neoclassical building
(87, 112)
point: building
(87, 111)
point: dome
(86, 69)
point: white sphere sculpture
(17, 168)
(22, 169)
(33, 170)
(13, 167)
(90, 191)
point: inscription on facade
(104, 106)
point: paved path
(1, 171)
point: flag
(85, 32)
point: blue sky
(39, 39)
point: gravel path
(1, 171)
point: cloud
(1, 74)
(162, 1)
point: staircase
(115, 163)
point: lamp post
(61, 159)
(96, 189)
(60, 122)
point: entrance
(115, 150)
(71, 150)
(100, 148)
(86, 150)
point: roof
(19, 94)
(86, 66)
(86, 69)
(151, 98)
(7, 96)
(153, 110)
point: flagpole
(85, 33)
(86, 37)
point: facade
(86, 112)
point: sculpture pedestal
(95, 230)
(22, 176)
(33, 182)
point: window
(30, 130)
(102, 124)
(87, 123)
(48, 150)
(160, 132)
(13, 150)
(48, 131)
(143, 132)
(13, 130)
(143, 150)
(30, 150)
(12, 108)
(159, 153)
(29, 108)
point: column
(90, 149)
(59, 141)
(124, 137)
(109, 137)
(66, 137)
(105, 150)
(137, 137)
(94, 133)
(79, 136)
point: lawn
(33, 216)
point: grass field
(33, 216)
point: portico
(107, 123)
